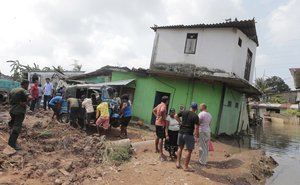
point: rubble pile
(53, 150)
(264, 168)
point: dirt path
(223, 168)
(55, 153)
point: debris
(52, 172)
(57, 182)
(9, 151)
(63, 171)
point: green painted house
(226, 102)
(201, 63)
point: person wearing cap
(189, 127)
(18, 99)
(204, 129)
(160, 112)
(172, 128)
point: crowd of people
(174, 131)
(82, 113)
(182, 130)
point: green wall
(183, 92)
(230, 113)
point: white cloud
(284, 23)
(202, 11)
(262, 60)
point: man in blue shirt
(48, 91)
(55, 104)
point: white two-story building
(228, 47)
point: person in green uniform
(18, 99)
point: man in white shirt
(87, 104)
(48, 92)
(204, 129)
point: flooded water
(282, 142)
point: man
(73, 108)
(205, 120)
(38, 104)
(117, 98)
(160, 112)
(125, 114)
(102, 116)
(48, 91)
(55, 104)
(87, 104)
(189, 127)
(34, 91)
(18, 98)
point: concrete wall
(182, 91)
(216, 49)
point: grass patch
(45, 134)
(120, 154)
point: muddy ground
(55, 153)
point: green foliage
(278, 99)
(260, 83)
(293, 112)
(45, 134)
(277, 84)
(272, 84)
(120, 154)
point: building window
(240, 42)
(248, 65)
(191, 43)
(236, 105)
(229, 103)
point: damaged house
(209, 63)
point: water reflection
(282, 142)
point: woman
(125, 114)
(172, 128)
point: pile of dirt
(53, 151)
(263, 168)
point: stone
(48, 148)
(63, 171)
(52, 172)
(9, 151)
(69, 166)
(57, 182)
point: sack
(210, 146)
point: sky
(96, 33)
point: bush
(293, 112)
(278, 99)
(120, 154)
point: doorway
(157, 100)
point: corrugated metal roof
(117, 83)
(246, 26)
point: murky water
(282, 142)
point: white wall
(240, 56)
(216, 49)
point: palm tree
(262, 85)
